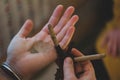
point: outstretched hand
(19, 55)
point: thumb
(68, 69)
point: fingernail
(68, 60)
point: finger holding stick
(86, 71)
(78, 58)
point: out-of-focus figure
(109, 43)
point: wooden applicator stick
(52, 34)
(89, 57)
(77, 59)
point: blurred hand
(19, 56)
(112, 42)
(84, 70)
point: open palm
(19, 55)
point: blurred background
(94, 14)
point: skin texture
(19, 56)
(85, 67)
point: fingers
(64, 19)
(112, 42)
(86, 68)
(64, 27)
(112, 45)
(76, 52)
(26, 29)
(66, 33)
(53, 21)
(68, 69)
(81, 66)
(78, 67)
(88, 72)
(55, 17)
(70, 23)
(67, 37)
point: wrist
(10, 72)
(4, 76)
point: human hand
(84, 70)
(19, 56)
(112, 42)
